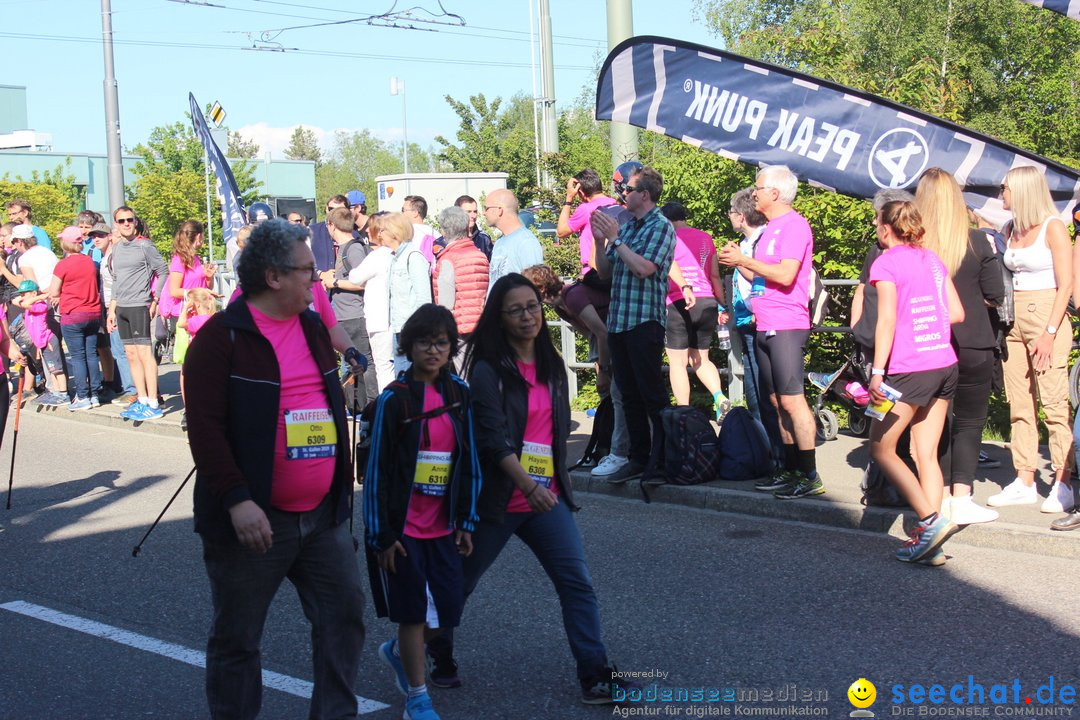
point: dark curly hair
(427, 322)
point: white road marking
(273, 680)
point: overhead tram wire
(365, 18)
(297, 51)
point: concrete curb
(106, 416)
(820, 510)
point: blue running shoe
(131, 410)
(146, 412)
(926, 538)
(821, 380)
(419, 708)
(389, 655)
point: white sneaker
(609, 465)
(946, 506)
(1059, 500)
(1015, 493)
(966, 512)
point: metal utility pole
(620, 26)
(397, 87)
(112, 114)
(549, 128)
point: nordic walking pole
(137, 548)
(15, 435)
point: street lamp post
(397, 86)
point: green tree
(241, 147)
(169, 185)
(303, 145)
(357, 158)
(53, 196)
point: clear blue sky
(330, 77)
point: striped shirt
(634, 300)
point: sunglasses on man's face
(125, 220)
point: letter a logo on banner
(831, 136)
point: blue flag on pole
(1068, 8)
(232, 208)
(831, 136)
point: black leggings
(968, 417)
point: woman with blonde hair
(969, 256)
(1039, 256)
(917, 303)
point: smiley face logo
(862, 693)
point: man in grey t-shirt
(134, 263)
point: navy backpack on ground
(744, 447)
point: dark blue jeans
(554, 539)
(81, 341)
(319, 559)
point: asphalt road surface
(697, 601)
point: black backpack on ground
(744, 447)
(691, 449)
(603, 426)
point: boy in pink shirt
(420, 492)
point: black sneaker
(780, 480)
(802, 487)
(443, 672)
(596, 690)
(988, 463)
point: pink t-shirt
(320, 303)
(37, 325)
(923, 333)
(429, 507)
(579, 223)
(787, 237)
(195, 323)
(306, 446)
(193, 277)
(536, 453)
(693, 250)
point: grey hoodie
(134, 263)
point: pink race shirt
(320, 303)
(429, 506)
(787, 237)
(192, 277)
(923, 333)
(579, 223)
(536, 453)
(306, 446)
(195, 323)
(693, 250)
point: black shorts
(134, 325)
(694, 328)
(780, 356)
(430, 573)
(922, 387)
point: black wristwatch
(335, 285)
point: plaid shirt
(634, 300)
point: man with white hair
(780, 294)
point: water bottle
(725, 338)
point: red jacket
(471, 276)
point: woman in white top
(1039, 256)
(373, 274)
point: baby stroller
(847, 386)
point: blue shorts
(428, 587)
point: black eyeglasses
(426, 344)
(520, 311)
